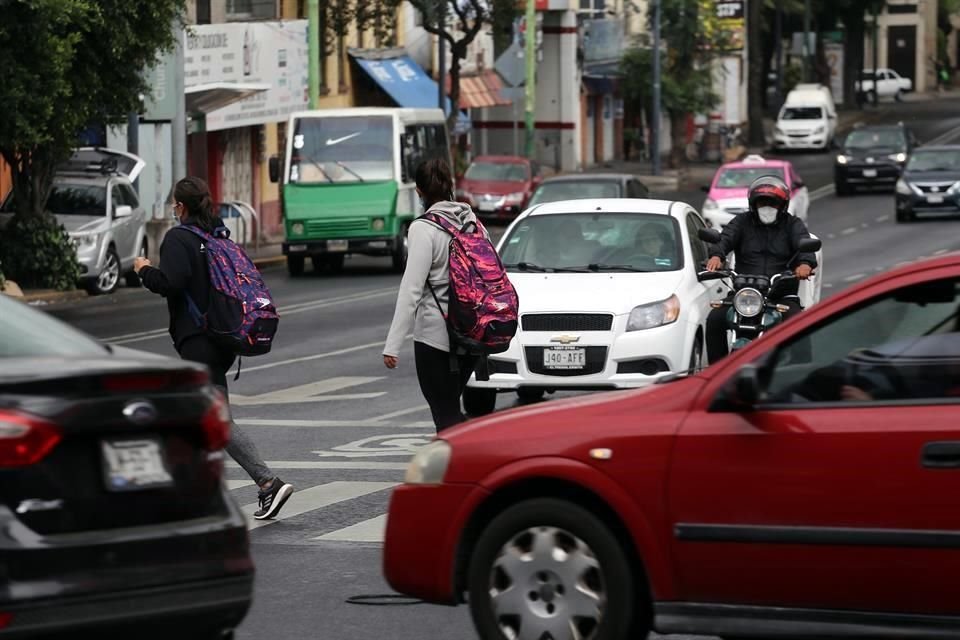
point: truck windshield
(342, 149)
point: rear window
(574, 190)
(30, 333)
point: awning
(204, 98)
(480, 90)
(404, 81)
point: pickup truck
(888, 84)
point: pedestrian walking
(182, 277)
(443, 366)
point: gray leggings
(241, 448)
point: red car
(499, 187)
(806, 486)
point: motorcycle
(752, 310)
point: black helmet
(769, 191)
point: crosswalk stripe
(317, 497)
(372, 530)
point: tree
(456, 23)
(693, 38)
(67, 64)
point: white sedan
(609, 298)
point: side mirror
(274, 169)
(705, 188)
(711, 236)
(809, 245)
(745, 391)
(123, 211)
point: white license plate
(869, 173)
(338, 245)
(487, 206)
(935, 199)
(559, 358)
(131, 465)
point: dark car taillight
(25, 439)
(216, 422)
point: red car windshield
(497, 171)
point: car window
(499, 171)
(574, 190)
(30, 333)
(643, 241)
(636, 189)
(802, 113)
(697, 246)
(130, 196)
(904, 346)
(743, 177)
(117, 197)
(78, 199)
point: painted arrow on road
(321, 391)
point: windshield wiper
(314, 162)
(616, 267)
(352, 172)
(529, 266)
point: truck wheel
(295, 266)
(401, 249)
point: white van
(807, 120)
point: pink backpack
(483, 308)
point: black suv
(930, 183)
(872, 156)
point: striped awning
(480, 90)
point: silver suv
(94, 199)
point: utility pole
(655, 119)
(313, 49)
(876, 32)
(778, 56)
(806, 40)
(531, 75)
(442, 56)
(133, 140)
(179, 124)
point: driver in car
(763, 240)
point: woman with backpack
(424, 298)
(182, 275)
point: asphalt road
(329, 418)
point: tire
(331, 261)
(553, 587)
(899, 95)
(906, 216)
(295, 266)
(530, 395)
(479, 402)
(696, 355)
(842, 188)
(109, 278)
(399, 255)
(131, 278)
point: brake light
(25, 439)
(5, 619)
(144, 382)
(216, 422)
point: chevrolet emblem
(565, 339)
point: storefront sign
(160, 104)
(730, 21)
(274, 53)
(833, 51)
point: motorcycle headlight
(898, 157)
(429, 464)
(297, 228)
(710, 204)
(842, 159)
(748, 302)
(903, 188)
(655, 314)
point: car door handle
(941, 455)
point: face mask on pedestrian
(768, 215)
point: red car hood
(499, 187)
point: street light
(655, 124)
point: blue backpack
(240, 313)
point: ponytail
(195, 196)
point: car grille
(799, 134)
(337, 226)
(567, 322)
(596, 361)
(933, 187)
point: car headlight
(898, 157)
(85, 240)
(954, 188)
(655, 314)
(748, 302)
(515, 198)
(819, 129)
(379, 224)
(429, 464)
(297, 228)
(842, 159)
(903, 188)
(778, 131)
(710, 204)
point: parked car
(579, 186)
(767, 496)
(727, 192)
(94, 199)
(930, 183)
(609, 298)
(886, 82)
(872, 155)
(114, 513)
(499, 187)
(807, 119)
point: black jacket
(182, 270)
(762, 249)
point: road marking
(848, 231)
(373, 423)
(883, 218)
(821, 192)
(831, 236)
(402, 412)
(855, 277)
(390, 445)
(372, 530)
(329, 465)
(827, 285)
(941, 252)
(317, 497)
(865, 225)
(319, 356)
(903, 263)
(942, 138)
(238, 484)
(311, 392)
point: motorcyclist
(764, 239)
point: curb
(49, 296)
(270, 261)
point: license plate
(132, 465)
(935, 199)
(560, 358)
(338, 245)
(487, 206)
(869, 173)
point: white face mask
(768, 215)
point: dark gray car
(579, 186)
(930, 183)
